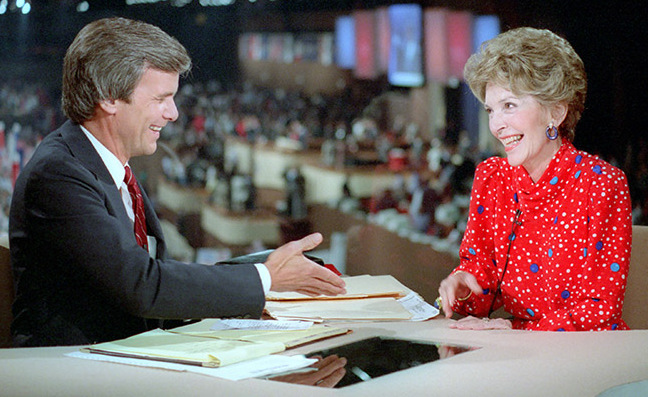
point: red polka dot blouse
(567, 239)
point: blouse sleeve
(600, 299)
(477, 252)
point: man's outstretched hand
(292, 271)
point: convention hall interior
(293, 119)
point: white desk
(510, 363)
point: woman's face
(520, 123)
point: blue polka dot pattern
(597, 169)
(554, 248)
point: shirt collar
(549, 183)
(112, 163)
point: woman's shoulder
(492, 170)
(596, 166)
(493, 165)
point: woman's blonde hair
(535, 62)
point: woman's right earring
(552, 132)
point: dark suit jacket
(82, 276)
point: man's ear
(559, 113)
(108, 105)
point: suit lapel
(83, 150)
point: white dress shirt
(117, 172)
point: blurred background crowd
(430, 196)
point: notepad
(198, 344)
(174, 347)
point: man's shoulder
(50, 152)
(55, 154)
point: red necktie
(138, 208)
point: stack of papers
(200, 344)
(289, 333)
(270, 365)
(364, 286)
(368, 298)
(185, 349)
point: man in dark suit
(84, 276)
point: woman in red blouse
(549, 231)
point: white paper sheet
(270, 325)
(258, 367)
(420, 309)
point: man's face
(151, 107)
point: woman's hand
(457, 286)
(475, 323)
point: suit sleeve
(79, 225)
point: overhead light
(180, 3)
(216, 3)
(83, 6)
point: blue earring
(552, 132)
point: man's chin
(149, 150)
